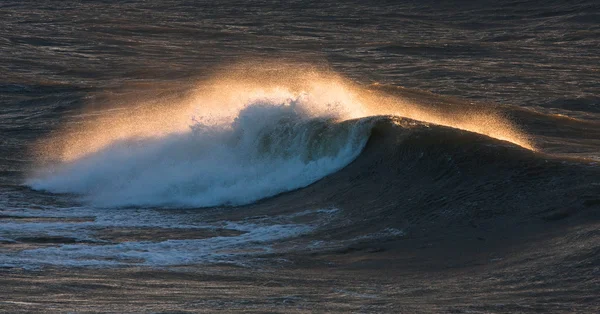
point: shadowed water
(414, 156)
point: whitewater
(316, 156)
(272, 146)
(243, 136)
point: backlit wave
(253, 131)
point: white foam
(271, 146)
(258, 237)
(166, 253)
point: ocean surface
(387, 155)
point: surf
(251, 132)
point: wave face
(254, 133)
(273, 145)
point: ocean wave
(254, 133)
(271, 146)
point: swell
(268, 149)
(272, 148)
(404, 178)
(420, 177)
(258, 133)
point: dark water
(424, 206)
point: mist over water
(326, 156)
(245, 135)
(273, 145)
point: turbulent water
(173, 133)
(269, 148)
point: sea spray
(248, 133)
(273, 145)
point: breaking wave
(245, 136)
(272, 146)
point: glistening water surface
(346, 145)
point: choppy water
(129, 128)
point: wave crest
(255, 132)
(272, 146)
